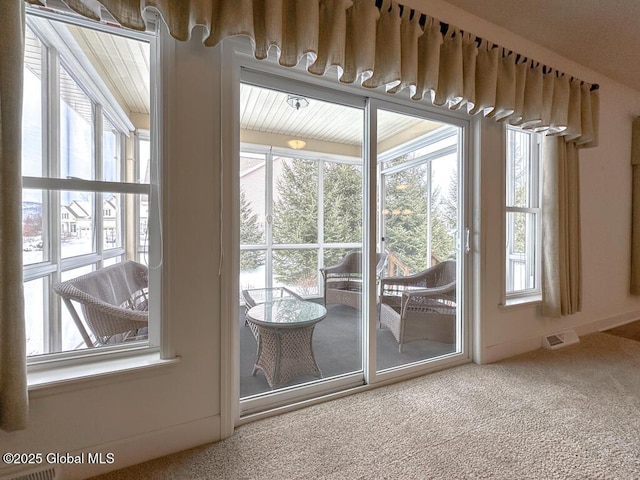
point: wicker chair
(343, 282)
(421, 306)
(114, 302)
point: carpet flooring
(571, 413)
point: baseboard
(501, 351)
(495, 353)
(618, 320)
(142, 448)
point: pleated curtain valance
(382, 44)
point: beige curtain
(13, 380)
(562, 251)
(635, 211)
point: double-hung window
(522, 215)
(86, 161)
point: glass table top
(289, 312)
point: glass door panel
(418, 161)
(301, 203)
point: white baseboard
(145, 447)
(494, 353)
(618, 320)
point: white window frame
(512, 296)
(54, 265)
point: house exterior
(152, 410)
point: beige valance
(381, 44)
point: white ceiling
(603, 35)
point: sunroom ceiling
(265, 116)
(123, 64)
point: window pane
(112, 220)
(342, 203)
(76, 223)
(252, 269)
(34, 243)
(110, 152)
(143, 229)
(519, 169)
(32, 107)
(297, 270)
(295, 204)
(71, 338)
(76, 130)
(521, 251)
(144, 161)
(406, 204)
(34, 311)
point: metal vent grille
(45, 474)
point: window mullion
(52, 104)
(268, 224)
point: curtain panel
(13, 376)
(635, 207)
(561, 237)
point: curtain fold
(13, 373)
(635, 210)
(561, 239)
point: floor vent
(45, 474)
(560, 339)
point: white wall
(145, 414)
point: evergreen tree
(251, 233)
(342, 208)
(445, 220)
(295, 221)
(295, 218)
(406, 218)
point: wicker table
(285, 349)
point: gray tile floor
(337, 349)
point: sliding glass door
(301, 197)
(418, 218)
(323, 302)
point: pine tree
(251, 233)
(342, 208)
(295, 218)
(405, 217)
(295, 221)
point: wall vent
(560, 339)
(44, 474)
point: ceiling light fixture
(296, 144)
(297, 102)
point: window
(523, 232)
(82, 199)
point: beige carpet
(572, 413)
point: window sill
(527, 301)
(55, 378)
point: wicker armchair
(113, 299)
(421, 306)
(343, 282)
